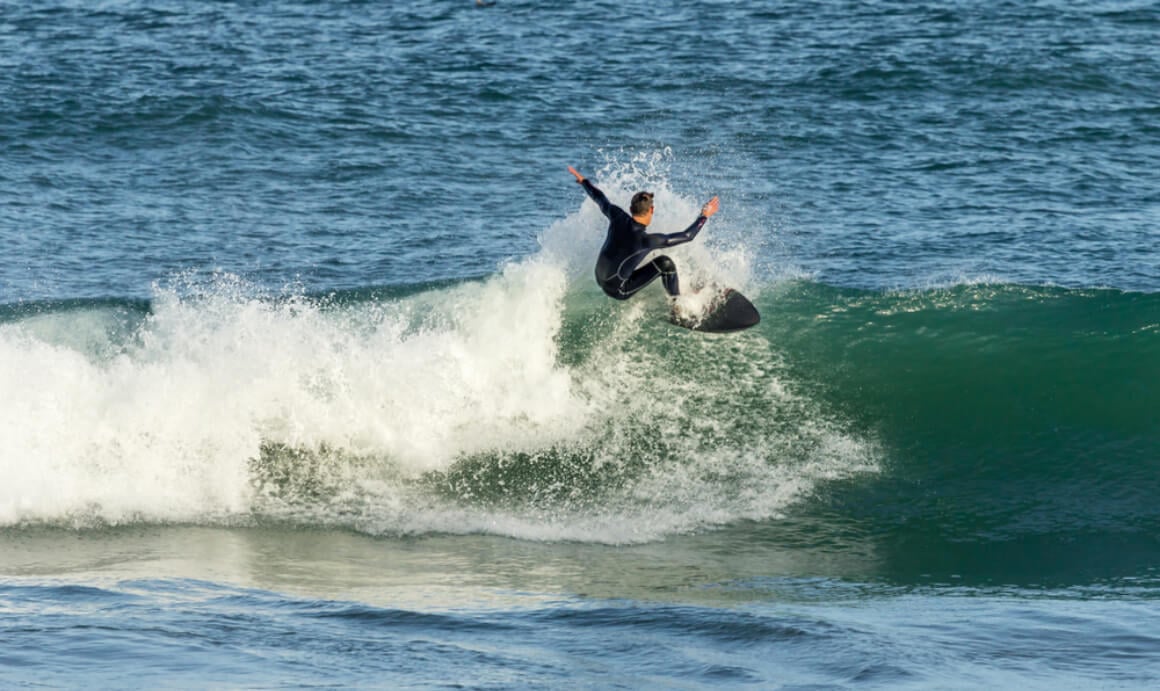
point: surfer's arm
(682, 237)
(593, 192)
(598, 197)
(689, 233)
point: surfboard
(727, 311)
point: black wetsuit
(626, 246)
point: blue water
(304, 379)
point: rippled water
(304, 379)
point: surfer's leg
(668, 272)
(639, 279)
(661, 267)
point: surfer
(619, 270)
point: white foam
(166, 428)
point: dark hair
(641, 203)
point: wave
(520, 404)
(526, 404)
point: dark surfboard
(732, 311)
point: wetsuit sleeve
(679, 238)
(598, 197)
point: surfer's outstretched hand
(579, 177)
(710, 207)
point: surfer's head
(642, 207)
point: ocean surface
(305, 379)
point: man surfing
(619, 270)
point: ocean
(305, 379)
